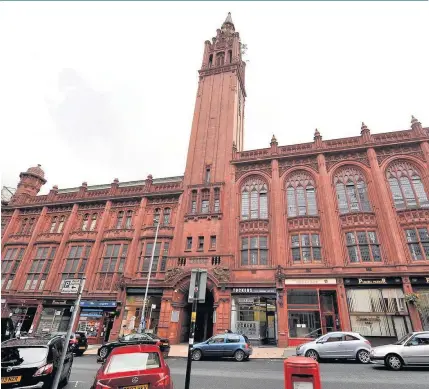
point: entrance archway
(204, 323)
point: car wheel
(239, 355)
(197, 355)
(103, 352)
(363, 356)
(393, 362)
(312, 354)
(66, 379)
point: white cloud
(132, 68)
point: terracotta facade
(297, 239)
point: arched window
(352, 193)
(61, 224)
(220, 59)
(85, 222)
(167, 213)
(119, 219)
(205, 201)
(406, 186)
(210, 60)
(129, 219)
(254, 199)
(156, 216)
(93, 222)
(230, 56)
(301, 195)
(53, 224)
(24, 226)
(194, 201)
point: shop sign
(246, 300)
(136, 300)
(254, 290)
(150, 291)
(91, 313)
(419, 280)
(369, 319)
(99, 304)
(373, 281)
(310, 281)
(58, 302)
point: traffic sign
(70, 286)
(200, 289)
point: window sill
(212, 249)
(188, 250)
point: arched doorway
(204, 323)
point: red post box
(301, 373)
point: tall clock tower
(217, 129)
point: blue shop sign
(91, 313)
(98, 304)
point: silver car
(337, 345)
(412, 349)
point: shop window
(76, 262)
(194, 196)
(216, 208)
(254, 199)
(299, 298)
(301, 195)
(112, 264)
(306, 248)
(189, 243)
(205, 201)
(40, 267)
(352, 193)
(418, 243)
(213, 242)
(254, 250)
(406, 186)
(363, 246)
(10, 265)
(201, 243)
(304, 324)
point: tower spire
(228, 24)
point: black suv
(33, 362)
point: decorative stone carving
(126, 204)
(30, 211)
(222, 274)
(120, 284)
(60, 209)
(413, 216)
(265, 167)
(287, 164)
(249, 226)
(83, 207)
(303, 223)
(170, 274)
(162, 200)
(358, 219)
(353, 156)
(387, 152)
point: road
(267, 374)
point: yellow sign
(194, 316)
(9, 380)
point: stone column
(19, 282)
(332, 239)
(282, 320)
(343, 309)
(91, 268)
(387, 219)
(414, 314)
(165, 314)
(36, 318)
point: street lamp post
(142, 320)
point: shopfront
(133, 310)
(55, 316)
(22, 313)
(312, 308)
(421, 287)
(253, 313)
(377, 308)
(96, 319)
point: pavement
(267, 374)
(181, 351)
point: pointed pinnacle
(228, 18)
(413, 119)
(363, 127)
(316, 133)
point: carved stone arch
(414, 163)
(181, 283)
(302, 175)
(349, 170)
(253, 175)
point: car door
(332, 346)
(215, 346)
(416, 350)
(350, 345)
(231, 343)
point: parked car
(134, 367)
(104, 351)
(78, 341)
(337, 345)
(7, 328)
(33, 362)
(411, 349)
(226, 345)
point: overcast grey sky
(94, 91)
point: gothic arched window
(254, 199)
(85, 222)
(220, 59)
(167, 214)
(93, 222)
(406, 186)
(301, 195)
(352, 193)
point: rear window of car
(15, 356)
(132, 362)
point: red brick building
(297, 240)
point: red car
(139, 366)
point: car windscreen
(132, 362)
(15, 356)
